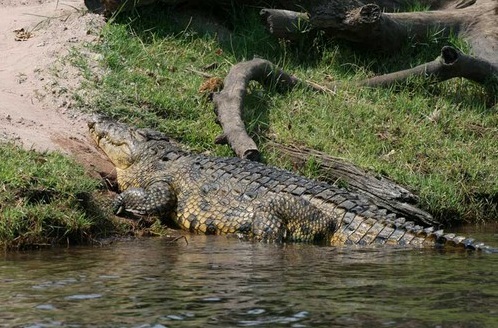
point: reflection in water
(215, 281)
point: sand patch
(37, 83)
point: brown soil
(36, 82)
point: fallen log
(370, 27)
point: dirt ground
(36, 83)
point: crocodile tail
(450, 240)
(355, 229)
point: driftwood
(380, 190)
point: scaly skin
(213, 195)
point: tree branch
(285, 24)
(451, 63)
(229, 101)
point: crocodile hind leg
(290, 218)
(156, 199)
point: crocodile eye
(171, 156)
(141, 135)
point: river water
(222, 282)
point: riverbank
(437, 139)
(148, 68)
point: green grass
(45, 200)
(438, 139)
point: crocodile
(216, 195)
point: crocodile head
(123, 144)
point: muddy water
(215, 281)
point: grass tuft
(41, 208)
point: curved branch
(451, 63)
(229, 101)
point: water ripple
(217, 282)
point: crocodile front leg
(290, 218)
(156, 199)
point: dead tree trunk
(368, 24)
(474, 21)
